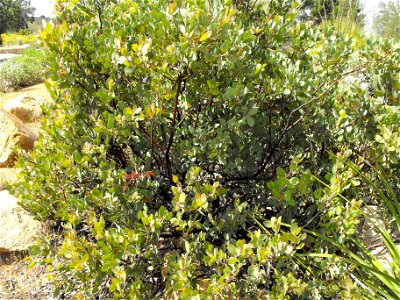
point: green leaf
(280, 172)
(213, 87)
(205, 36)
(114, 286)
(232, 260)
(250, 121)
(253, 111)
(294, 181)
(110, 121)
(379, 139)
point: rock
(383, 256)
(369, 233)
(18, 229)
(13, 133)
(27, 109)
(371, 236)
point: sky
(46, 7)
(370, 8)
(43, 7)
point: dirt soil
(18, 281)
(13, 49)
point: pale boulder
(18, 229)
(27, 109)
(13, 133)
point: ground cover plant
(182, 157)
(16, 38)
(24, 70)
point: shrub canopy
(179, 158)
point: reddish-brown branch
(150, 136)
(172, 134)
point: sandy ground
(35, 91)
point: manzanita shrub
(178, 161)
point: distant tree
(387, 20)
(319, 10)
(15, 14)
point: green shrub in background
(24, 70)
(186, 133)
(25, 31)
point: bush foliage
(180, 158)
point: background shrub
(181, 158)
(24, 70)
(25, 31)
